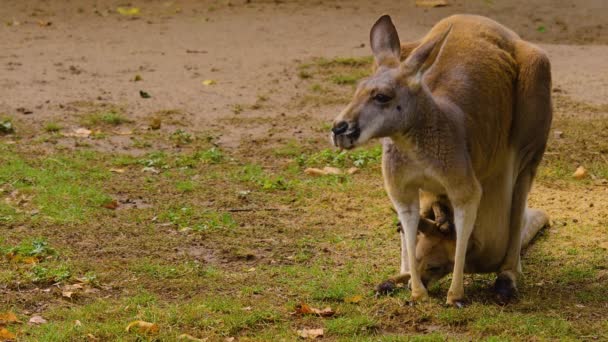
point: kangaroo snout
(344, 134)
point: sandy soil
(57, 54)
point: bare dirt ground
(66, 65)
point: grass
(111, 117)
(52, 127)
(224, 242)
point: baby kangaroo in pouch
(464, 115)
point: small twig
(235, 210)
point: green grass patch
(111, 118)
(64, 188)
(52, 127)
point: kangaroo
(465, 116)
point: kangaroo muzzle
(344, 135)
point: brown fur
(465, 118)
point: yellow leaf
(8, 317)
(209, 82)
(30, 260)
(128, 11)
(354, 299)
(144, 327)
(6, 335)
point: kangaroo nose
(340, 127)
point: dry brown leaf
(310, 333)
(111, 205)
(29, 260)
(8, 318)
(6, 335)
(77, 323)
(354, 299)
(67, 294)
(352, 170)
(79, 133)
(92, 337)
(188, 337)
(580, 173)
(117, 170)
(37, 320)
(144, 327)
(311, 171)
(431, 3)
(305, 309)
(332, 170)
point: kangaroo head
(435, 254)
(384, 104)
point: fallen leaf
(332, 170)
(111, 205)
(144, 95)
(431, 3)
(305, 309)
(128, 11)
(144, 327)
(8, 318)
(209, 82)
(79, 133)
(117, 170)
(310, 333)
(137, 78)
(124, 132)
(37, 320)
(77, 323)
(92, 337)
(229, 339)
(150, 169)
(352, 170)
(29, 260)
(354, 299)
(188, 337)
(155, 123)
(580, 173)
(311, 171)
(6, 335)
(67, 294)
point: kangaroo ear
(384, 41)
(423, 57)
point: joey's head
(384, 104)
(434, 254)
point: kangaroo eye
(382, 98)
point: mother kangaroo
(465, 115)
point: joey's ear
(423, 57)
(384, 41)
